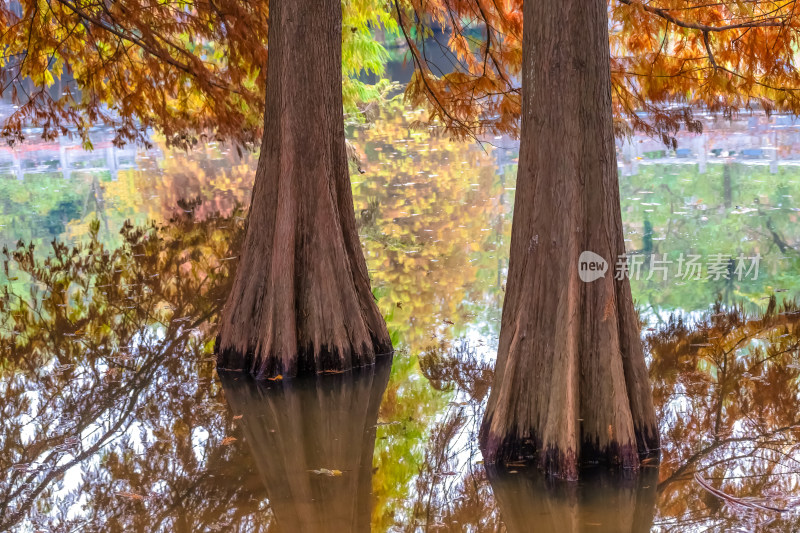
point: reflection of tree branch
(96, 400)
(56, 473)
(682, 472)
(777, 239)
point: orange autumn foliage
(195, 67)
(667, 58)
(192, 69)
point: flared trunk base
(306, 361)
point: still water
(114, 418)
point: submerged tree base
(513, 452)
(307, 361)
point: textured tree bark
(301, 300)
(570, 381)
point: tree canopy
(186, 68)
(667, 58)
(196, 67)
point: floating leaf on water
(130, 495)
(228, 440)
(238, 417)
(326, 472)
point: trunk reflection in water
(601, 502)
(312, 440)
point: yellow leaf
(326, 472)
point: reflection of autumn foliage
(428, 208)
(726, 390)
(109, 389)
(458, 367)
(217, 174)
(109, 399)
(432, 213)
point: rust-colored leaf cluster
(182, 67)
(667, 58)
(192, 69)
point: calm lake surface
(114, 418)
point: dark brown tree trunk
(570, 382)
(313, 440)
(301, 300)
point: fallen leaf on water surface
(326, 472)
(238, 417)
(276, 378)
(130, 495)
(228, 440)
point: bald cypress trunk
(301, 300)
(570, 382)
